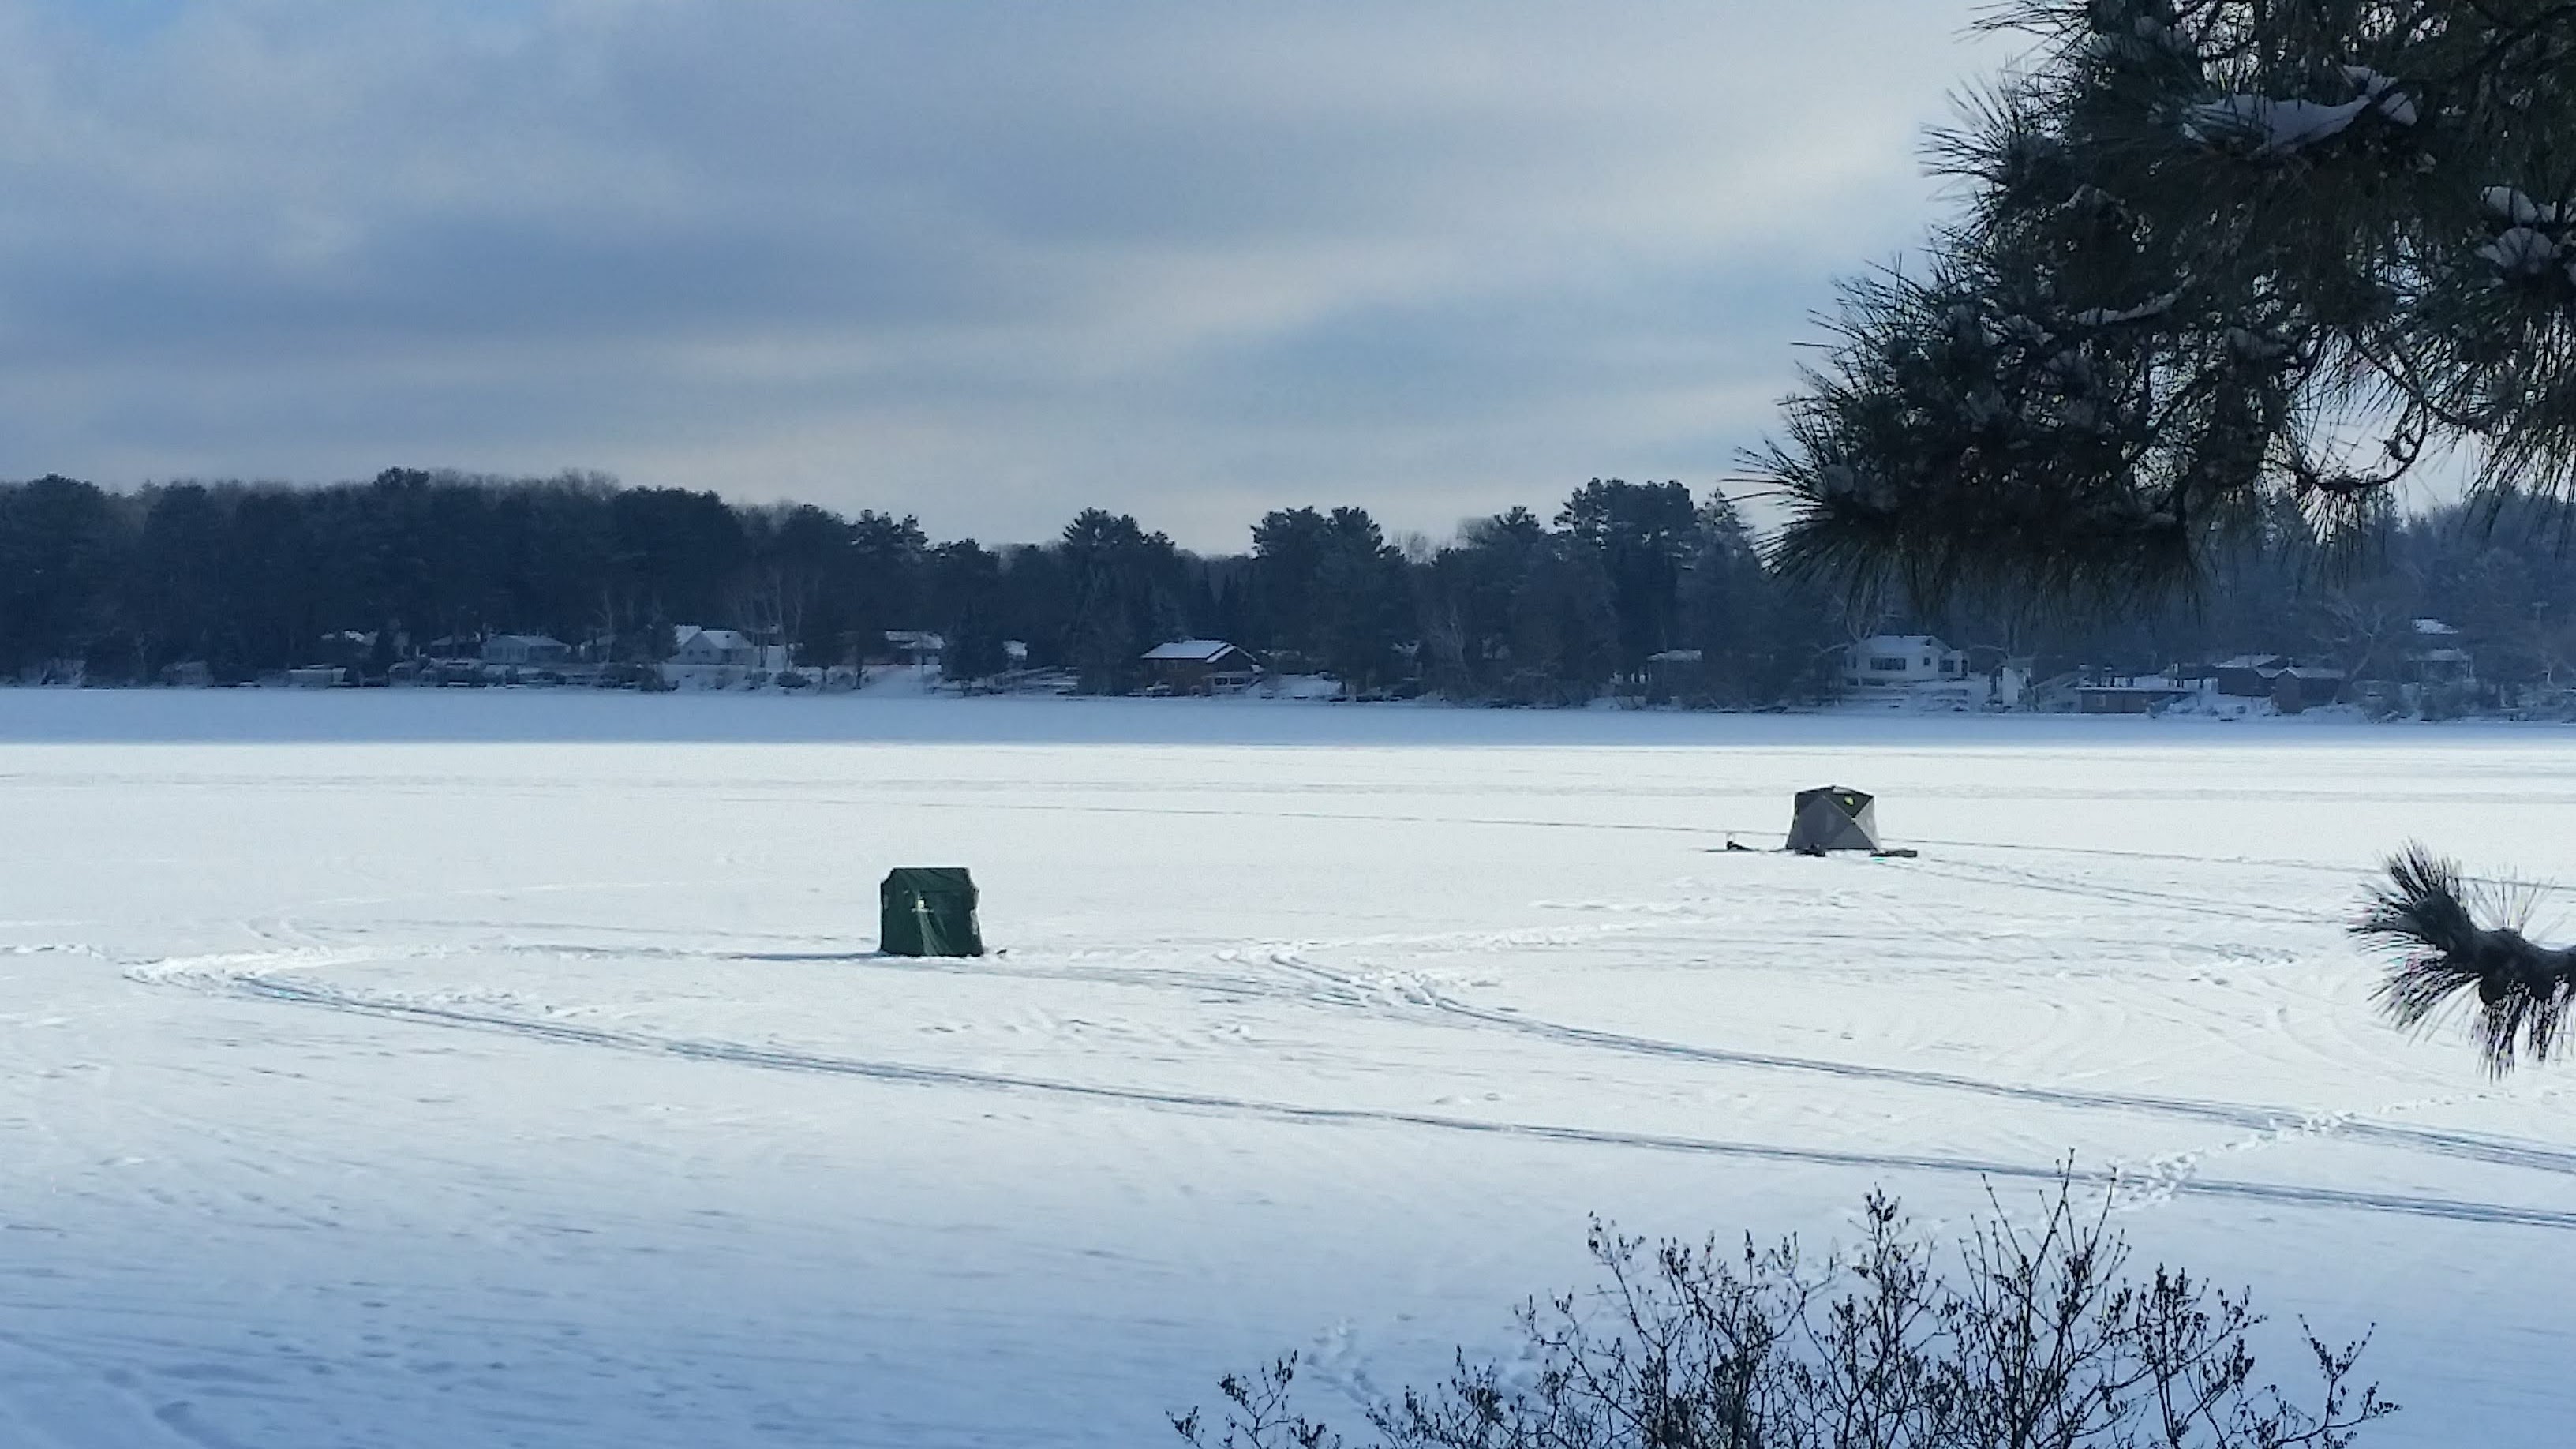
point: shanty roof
(929, 880)
(1834, 817)
(1195, 651)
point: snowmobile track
(779, 1059)
(2247, 1116)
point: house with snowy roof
(1199, 666)
(2290, 685)
(917, 647)
(2435, 655)
(1901, 661)
(2131, 693)
(517, 650)
(719, 659)
(1676, 674)
(2247, 676)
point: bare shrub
(2038, 1338)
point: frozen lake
(497, 1069)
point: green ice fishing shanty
(928, 910)
(1834, 817)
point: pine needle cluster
(2427, 916)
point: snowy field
(497, 1069)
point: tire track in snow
(1327, 986)
(299, 944)
(263, 987)
(2251, 1117)
(1980, 873)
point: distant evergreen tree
(1731, 611)
(1330, 594)
(1644, 535)
(1467, 607)
(976, 650)
(1288, 550)
(1125, 598)
(1365, 611)
(1564, 626)
(882, 585)
(61, 547)
(964, 581)
(675, 552)
(802, 553)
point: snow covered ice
(499, 1069)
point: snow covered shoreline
(74, 716)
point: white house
(693, 645)
(719, 659)
(1901, 661)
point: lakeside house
(2132, 694)
(720, 659)
(1676, 674)
(1200, 666)
(2290, 685)
(2437, 656)
(523, 651)
(1902, 661)
(918, 648)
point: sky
(985, 263)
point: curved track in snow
(267, 986)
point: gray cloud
(985, 262)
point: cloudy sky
(983, 262)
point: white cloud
(986, 262)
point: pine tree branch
(2427, 917)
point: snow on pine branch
(2523, 252)
(2526, 251)
(2279, 127)
(2514, 206)
(2105, 316)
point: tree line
(1519, 608)
(250, 578)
